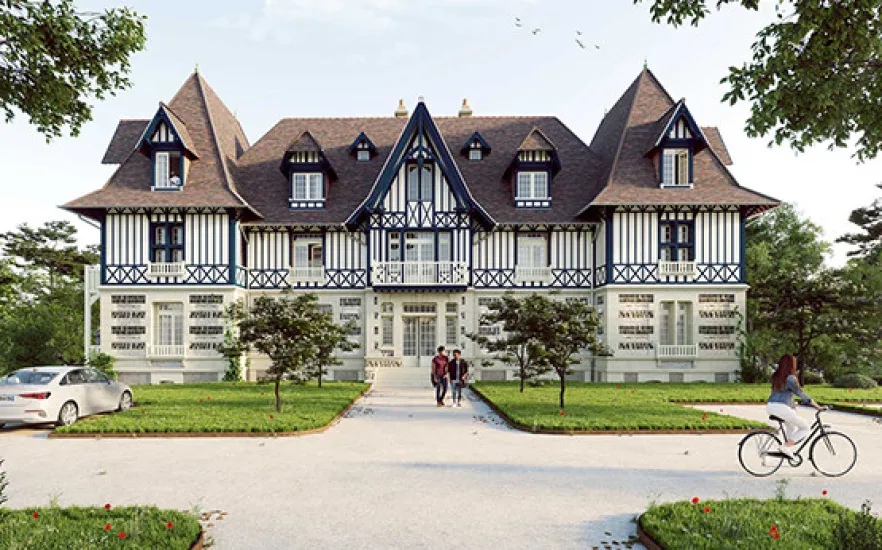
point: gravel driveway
(390, 475)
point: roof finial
(196, 69)
(645, 63)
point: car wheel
(125, 401)
(68, 414)
(1, 426)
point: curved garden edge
(546, 431)
(179, 435)
(199, 543)
(644, 537)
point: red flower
(169, 525)
(234, 383)
(271, 417)
(107, 527)
(704, 416)
(694, 500)
(773, 528)
(776, 536)
(200, 401)
(619, 386)
(209, 398)
(122, 535)
(107, 506)
(36, 515)
(849, 389)
(632, 391)
(706, 510)
(824, 492)
(562, 413)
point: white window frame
(532, 250)
(476, 154)
(363, 155)
(532, 183)
(307, 247)
(675, 167)
(312, 186)
(169, 324)
(675, 323)
(422, 189)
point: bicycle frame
(818, 430)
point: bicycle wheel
(754, 454)
(833, 454)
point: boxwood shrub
(855, 380)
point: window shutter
(683, 168)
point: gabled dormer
(167, 143)
(309, 173)
(362, 148)
(475, 148)
(676, 141)
(532, 171)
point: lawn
(224, 407)
(638, 406)
(745, 523)
(144, 527)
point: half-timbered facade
(412, 225)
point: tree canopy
(869, 239)
(813, 76)
(55, 60)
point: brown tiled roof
(715, 140)
(124, 140)
(181, 129)
(304, 143)
(266, 188)
(536, 141)
(632, 177)
(214, 133)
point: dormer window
(476, 154)
(362, 148)
(532, 169)
(168, 170)
(476, 148)
(363, 155)
(309, 173)
(676, 167)
(307, 186)
(532, 186)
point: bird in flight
(579, 32)
(579, 42)
(536, 31)
(518, 22)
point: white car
(59, 394)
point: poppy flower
(122, 535)
(271, 417)
(694, 500)
(824, 492)
(107, 527)
(619, 386)
(773, 528)
(209, 398)
(632, 391)
(704, 416)
(169, 525)
(562, 413)
(107, 506)
(200, 401)
(776, 536)
(234, 383)
(36, 515)
(706, 510)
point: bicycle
(832, 453)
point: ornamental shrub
(855, 380)
(812, 377)
(3, 485)
(858, 531)
(104, 363)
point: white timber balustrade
(540, 275)
(420, 274)
(307, 275)
(166, 351)
(166, 269)
(678, 350)
(676, 269)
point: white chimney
(401, 111)
(465, 110)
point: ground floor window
(169, 325)
(675, 323)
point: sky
(270, 59)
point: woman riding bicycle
(784, 386)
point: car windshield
(27, 376)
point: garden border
(181, 435)
(548, 431)
(199, 543)
(645, 538)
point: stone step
(402, 377)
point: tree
(520, 320)
(48, 250)
(792, 296)
(54, 60)
(569, 329)
(329, 337)
(869, 239)
(232, 349)
(3, 485)
(813, 76)
(280, 328)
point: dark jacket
(463, 369)
(439, 366)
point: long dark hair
(786, 367)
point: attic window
(676, 167)
(362, 148)
(168, 170)
(363, 155)
(476, 148)
(475, 151)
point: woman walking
(785, 385)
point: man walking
(439, 375)
(458, 371)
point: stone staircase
(402, 377)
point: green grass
(145, 527)
(222, 407)
(744, 523)
(638, 406)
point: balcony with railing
(680, 351)
(165, 351)
(166, 269)
(306, 275)
(676, 269)
(420, 274)
(537, 276)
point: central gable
(420, 173)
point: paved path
(389, 474)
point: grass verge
(744, 523)
(222, 407)
(143, 527)
(638, 407)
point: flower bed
(142, 527)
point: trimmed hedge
(855, 380)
